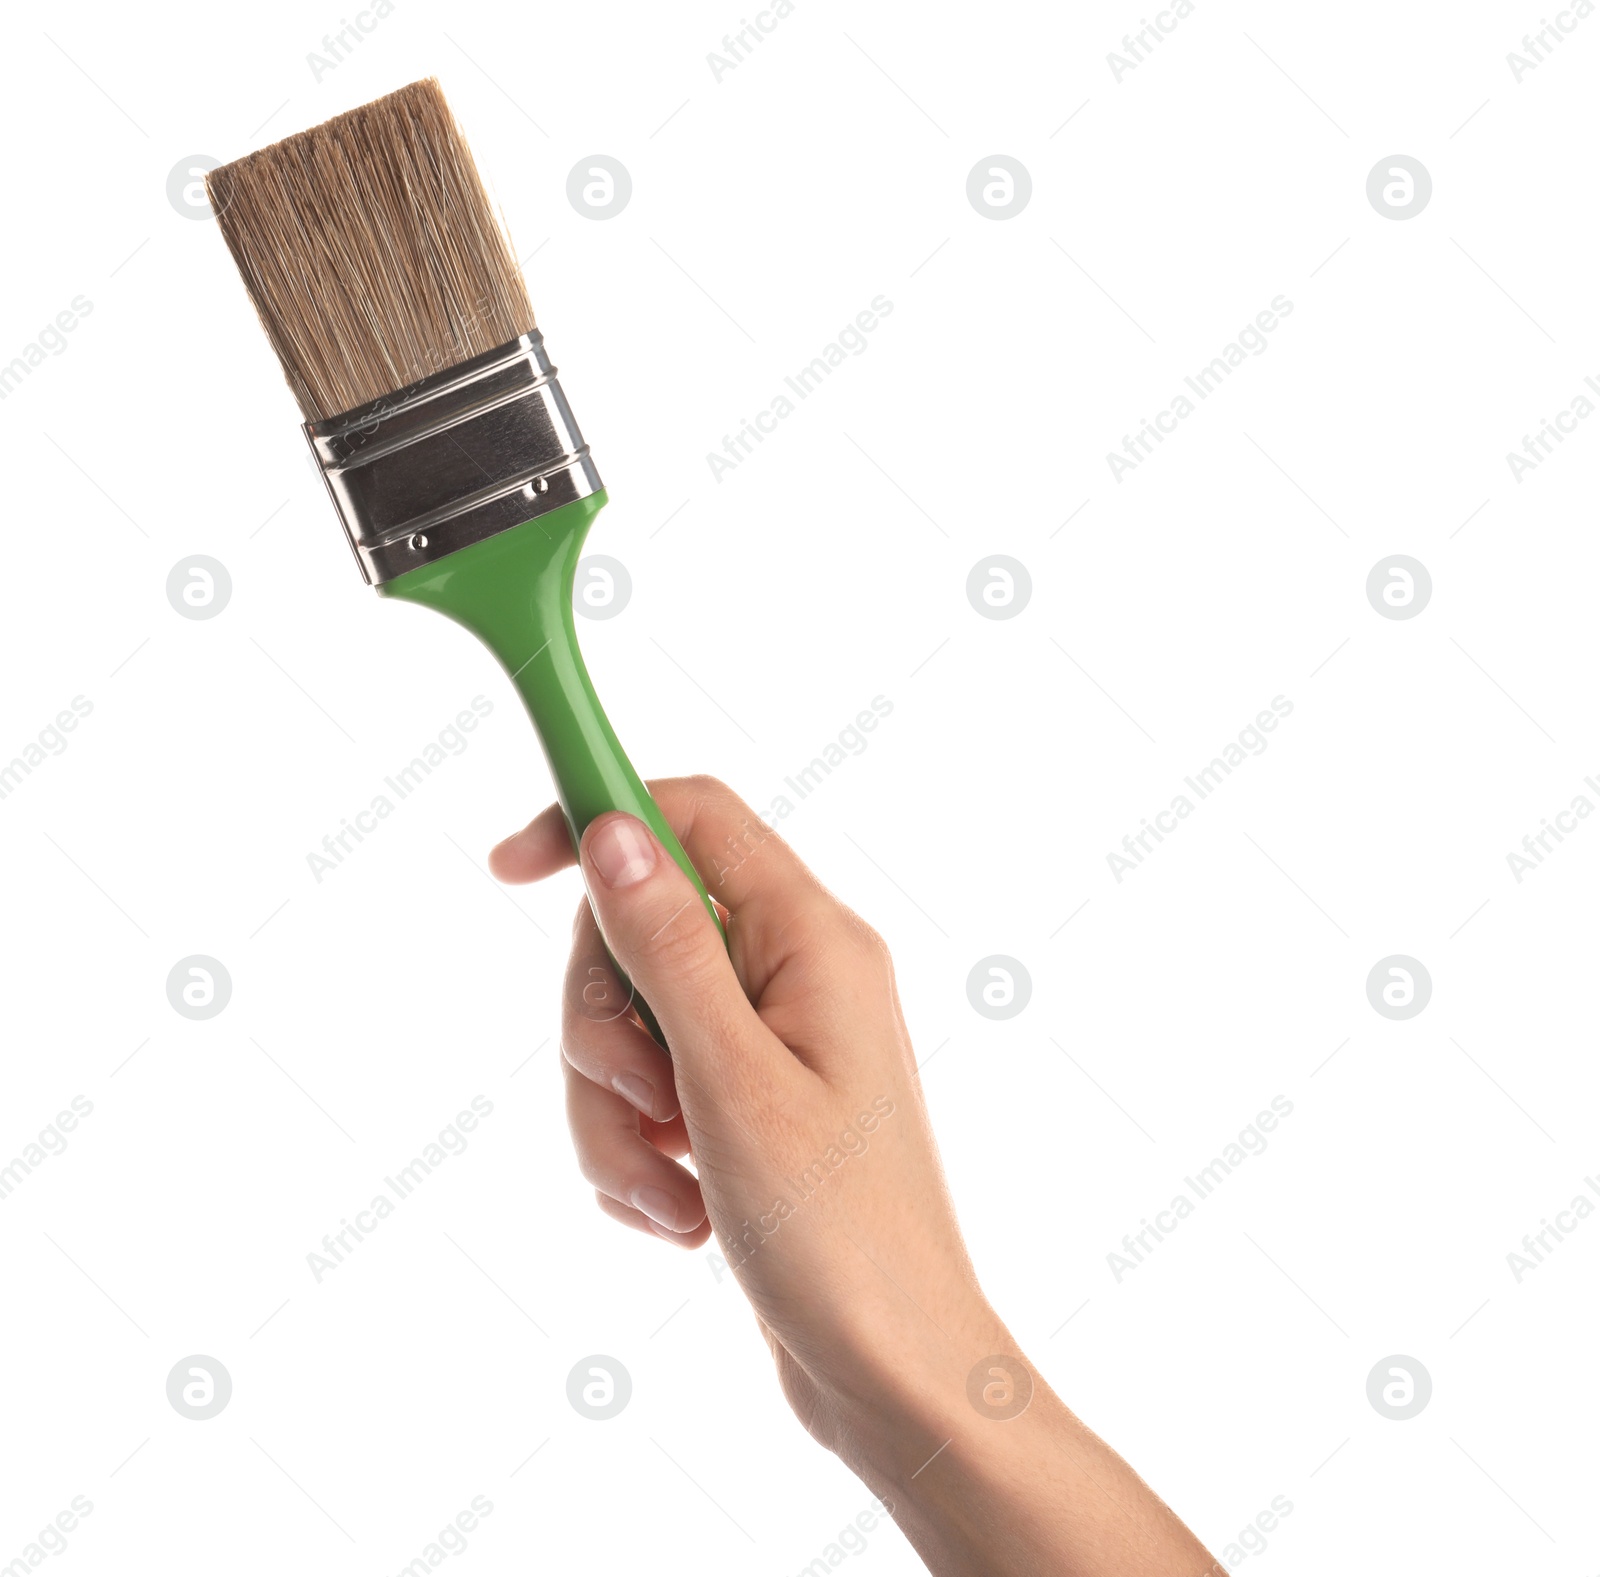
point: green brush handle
(514, 592)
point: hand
(792, 1086)
(791, 1081)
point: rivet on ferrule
(461, 455)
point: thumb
(659, 933)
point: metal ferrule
(459, 456)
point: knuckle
(705, 786)
(574, 1052)
(708, 793)
(694, 789)
(874, 943)
(862, 936)
(678, 943)
(583, 1150)
(602, 1153)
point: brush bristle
(370, 251)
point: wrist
(989, 1474)
(931, 1381)
(978, 1461)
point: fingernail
(636, 1091)
(622, 851)
(656, 1203)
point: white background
(1167, 609)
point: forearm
(983, 1494)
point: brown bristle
(370, 251)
